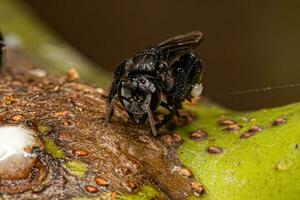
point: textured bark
(67, 116)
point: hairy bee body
(169, 69)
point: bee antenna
(265, 89)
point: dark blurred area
(247, 44)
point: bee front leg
(181, 86)
(118, 75)
(152, 122)
(110, 111)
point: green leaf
(264, 166)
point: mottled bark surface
(79, 157)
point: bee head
(138, 94)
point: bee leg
(169, 106)
(175, 101)
(152, 122)
(118, 75)
(193, 69)
(194, 74)
(189, 72)
(110, 111)
(181, 85)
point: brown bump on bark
(185, 172)
(254, 129)
(61, 114)
(17, 118)
(72, 75)
(227, 122)
(251, 131)
(101, 181)
(198, 135)
(91, 189)
(197, 188)
(79, 153)
(171, 140)
(279, 122)
(177, 138)
(214, 150)
(233, 127)
(247, 135)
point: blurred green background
(248, 44)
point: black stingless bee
(162, 75)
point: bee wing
(181, 42)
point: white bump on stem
(197, 90)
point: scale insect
(169, 70)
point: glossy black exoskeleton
(162, 75)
